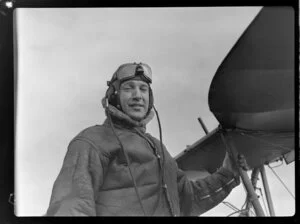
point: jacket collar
(122, 120)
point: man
(117, 169)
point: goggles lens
(129, 70)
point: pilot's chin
(137, 117)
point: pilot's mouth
(137, 106)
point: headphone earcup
(151, 100)
(111, 96)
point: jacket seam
(146, 138)
(91, 143)
(95, 147)
(86, 140)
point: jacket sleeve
(73, 190)
(199, 196)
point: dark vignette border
(8, 89)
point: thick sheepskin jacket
(95, 181)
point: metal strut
(254, 178)
(230, 148)
(267, 190)
(203, 125)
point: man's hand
(229, 164)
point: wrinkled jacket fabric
(95, 180)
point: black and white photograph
(154, 111)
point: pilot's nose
(137, 93)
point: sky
(66, 55)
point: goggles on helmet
(130, 70)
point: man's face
(134, 98)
